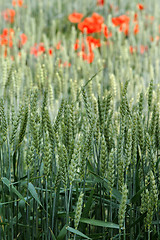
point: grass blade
(99, 223)
(72, 230)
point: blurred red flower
(86, 48)
(132, 49)
(156, 39)
(91, 24)
(135, 17)
(106, 32)
(50, 51)
(23, 38)
(118, 21)
(65, 64)
(89, 57)
(143, 49)
(58, 46)
(6, 38)
(136, 29)
(75, 17)
(37, 49)
(140, 6)
(93, 42)
(124, 28)
(90, 43)
(17, 2)
(100, 2)
(9, 15)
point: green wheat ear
(122, 208)
(3, 123)
(150, 95)
(63, 164)
(78, 211)
(47, 155)
(103, 156)
(75, 160)
(111, 170)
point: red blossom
(65, 64)
(118, 21)
(154, 39)
(9, 15)
(100, 2)
(17, 3)
(140, 6)
(93, 42)
(136, 29)
(143, 49)
(89, 43)
(23, 38)
(132, 49)
(135, 17)
(86, 48)
(50, 51)
(89, 57)
(91, 24)
(106, 32)
(75, 17)
(37, 49)
(6, 38)
(124, 28)
(58, 46)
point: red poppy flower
(58, 46)
(91, 24)
(23, 38)
(132, 49)
(143, 49)
(17, 2)
(14, 3)
(118, 21)
(37, 49)
(140, 6)
(90, 43)
(85, 48)
(9, 15)
(93, 42)
(136, 29)
(106, 32)
(124, 28)
(100, 2)
(135, 17)
(156, 38)
(89, 57)
(6, 38)
(50, 51)
(75, 17)
(65, 64)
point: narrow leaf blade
(33, 192)
(75, 231)
(62, 233)
(7, 183)
(99, 223)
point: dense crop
(79, 120)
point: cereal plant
(79, 120)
